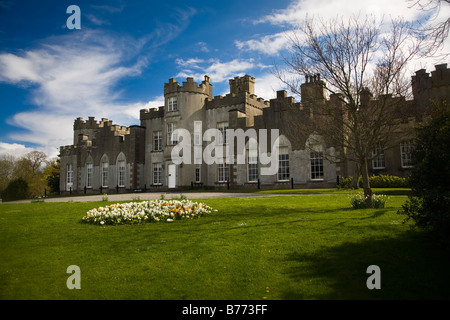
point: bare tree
(362, 65)
(435, 32)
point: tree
(6, 171)
(17, 189)
(51, 175)
(429, 202)
(362, 66)
(437, 31)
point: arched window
(89, 171)
(121, 170)
(104, 165)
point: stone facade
(109, 158)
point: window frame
(171, 134)
(121, 170)
(172, 104)
(105, 174)
(157, 140)
(157, 174)
(316, 166)
(223, 172)
(283, 173)
(406, 156)
(89, 174)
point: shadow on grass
(412, 267)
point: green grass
(287, 247)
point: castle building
(106, 157)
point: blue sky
(125, 51)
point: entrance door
(172, 175)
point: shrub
(381, 181)
(387, 181)
(358, 201)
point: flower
(146, 211)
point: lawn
(284, 247)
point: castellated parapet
(151, 113)
(239, 99)
(189, 86)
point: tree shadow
(412, 267)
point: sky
(124, 52)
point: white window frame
(172, 104)
(223, 172)
(157, 174)
(105, 174)
(316, 166)
(379, 161)
(157, 140)
(283, 164)
(69, 175)
(406, 150)
(172, 138)
(197, 133)
(252, 166)
(89, 174)
(121, 173)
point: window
(198, 176)
(172, 104)
(316, 159)
(283, 164)
(69, 175)
(89, 175)
(252, 167)
(223, 128)
(378, 161)
(157, 141)
(197, 133)
(406, 149)
(105, 168)
(171, 136)
(157, 173)
(223, 172)
(121, 179)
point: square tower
(242, 84)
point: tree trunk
(355, 181)
(366, 183)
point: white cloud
(270, 44)
(68, 81)
(298, 10)
(327, 10)
(218, 71)
(14, 149)
(267, 85)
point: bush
(387, 181)
(358, 201)
(16, 190)
(381, 181)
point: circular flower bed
(146, 211)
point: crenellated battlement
(151, 113)
(232, 99)
(422, 80)
(188, 86)
(92, 124)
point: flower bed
(146, 211)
